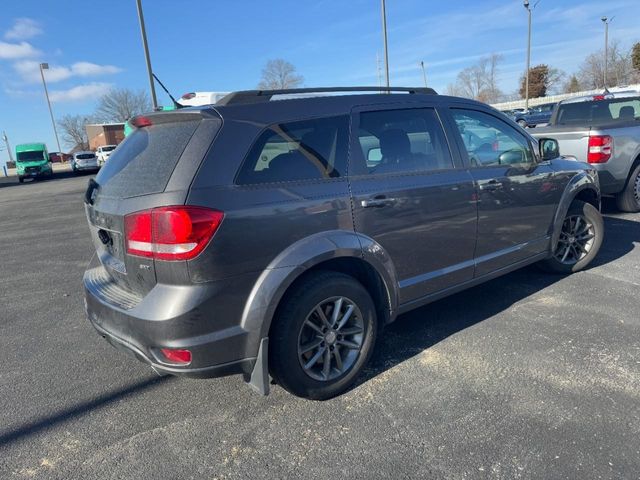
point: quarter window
(490, 141)
(305, 150)
(402, 141)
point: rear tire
(628, 200)
(580, 239)
(320, 358)
(522, 123)
(21, 179)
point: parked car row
(533, 117)
(278, 238)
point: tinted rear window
(304, 150)
(84, 156)
(144, 161)
(599, 111)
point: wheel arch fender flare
(582, 181)
(303, 255)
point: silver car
(84, 161)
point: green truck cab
(32, 161)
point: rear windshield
(144, 161)
(108, 149)
(599, 111)
(84, 156)
(30, 156)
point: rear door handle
(377, 202)
(491, 185)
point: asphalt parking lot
(528, 376)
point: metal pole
(606, 50)
(143, 31)
(526, 88)
(6, 142)
(424, 73)
(379, 70)
(384, 34)
(43, 67)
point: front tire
(323, 335)
(580, 239)
(20, 179)
(628, 200)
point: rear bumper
(182, 317)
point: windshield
(33, 156)
(599, 111)
(84, 156)
(108, 149)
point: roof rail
(257, 96)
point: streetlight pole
(606, 22)
(384, 35)
(424, 73)
(526, 84)
(43, 67)
(6, 142)
(143, 31)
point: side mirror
(549, 148)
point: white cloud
(89, 91)
(23, 29)
(30, 70)
(10, 51)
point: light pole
(43, 67)
(606, 22)
(424, 74)
(384, 35)
(143, 31)
(6, 142)
(526, 83)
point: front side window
(490, 141)
(304, 150)
(403, 141)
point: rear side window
(144, 161)
(396, 141)
(304, 150)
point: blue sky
(222, 45)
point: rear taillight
(599, 148)
(170, 233)
(179, 356)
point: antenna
(175, 103)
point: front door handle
(491, 185)
(377, 202)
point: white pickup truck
(603, 130)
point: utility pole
(384, 35)
(606, 22)
(43, 67)
(143, 32)
(424, 74)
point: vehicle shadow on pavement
(61, 416)
(416, 331)
(13, 181)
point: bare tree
(619, 68)
(120, 104)
(279, 74)
(74, 134)
(479, 81)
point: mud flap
(259, 380)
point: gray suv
(276, 233)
